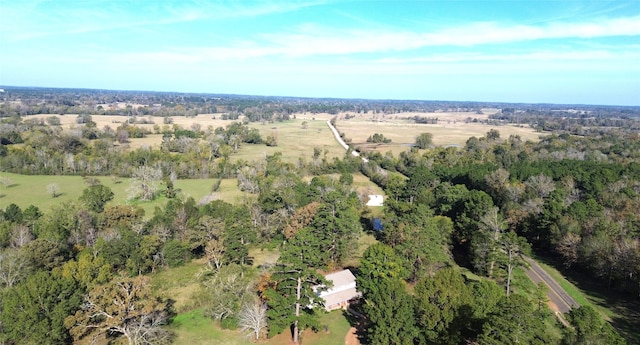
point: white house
(343, 290)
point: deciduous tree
(96, 196)
(125, 307)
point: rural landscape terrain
(131, 217)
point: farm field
(297, 141)
(451, 129)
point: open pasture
(296, 140)
(25, 190)
(451, 129)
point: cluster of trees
(572, 198)
(87, 150)
(581, 120)
(482, 207)
(378, 138)
(77, 271)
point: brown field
(452, 129)
(294, 142)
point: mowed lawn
(192, 327)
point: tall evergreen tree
(291, 299)
(387, 304)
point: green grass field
(25, 190)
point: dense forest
(455, 224)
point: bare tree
(247, 180)
(513, 247)
(122, 136)
(20, 236)
(568, 248)
(6, 182)
(227, 290)
(493, 223)
(13, 267)
(53, 189)
(145, 183)
(214, 252)
(541, 185)
(253, 318)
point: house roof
(340, 296)
(340, 278)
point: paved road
(556, 293)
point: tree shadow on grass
(358, 321)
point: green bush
(175, 253)
(229, 323)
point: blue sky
(540, 51)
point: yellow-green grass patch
(264, 256)
(293, 141)
(25, 190)
(194, 328)
(179, 284)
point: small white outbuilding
(375, 200)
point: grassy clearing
(179, 284)
(26, 190)
(334, 329)
(194, 328)
(264, 257)
(294, 141)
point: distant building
(343, 291)
(375, 200)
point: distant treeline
(30, 101)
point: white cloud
(318, 42)
(24, 21)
